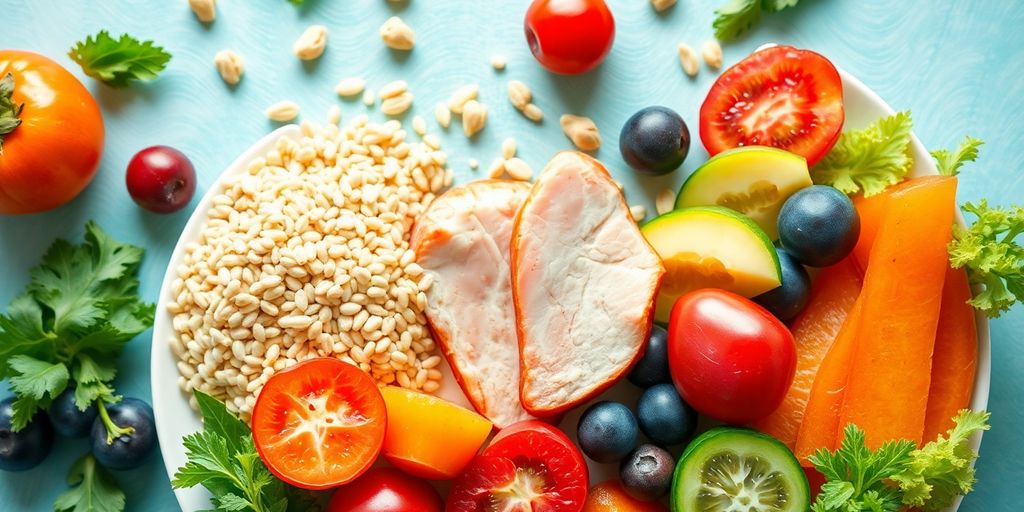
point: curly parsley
(868, 160)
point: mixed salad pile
(799, 322)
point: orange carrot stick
(825, 402)
(956, 356)
(833, 294)
(890, 375)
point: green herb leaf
(736, 17)
(868, 160)
(9, 111)
(38, 378)
(856, 475)
(778, 5)
(941, 470)
(217, 419)
(21, 333)
(949, 162)
(93, 489)
(992, 255)
(118, 62)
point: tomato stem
(9, 111)
(113, 430)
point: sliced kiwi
(728, 469)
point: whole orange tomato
(48, 157)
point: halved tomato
(319, 424)
(530, 466)
(781, 96)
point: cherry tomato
(529, 466)
(729, 358)
(569, 36)
(780, 96)
(161, 179)
(319, 424)
(49, 158)
(386, 490)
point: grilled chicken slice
(583, 280)
(462, 241)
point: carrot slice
(890, 375)
(871, 211)
(833, 294)
(821, 416)
(956, 356)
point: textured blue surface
(956, 64)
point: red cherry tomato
(319, 424)
(729, 358)
(781, 96)
(529, 466)
(386, 490)
(569, 36)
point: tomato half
(569, 36)
(319, 424)
(729, 358)
(781, 96)
(49, 158)
(529, 466)
(386, 490)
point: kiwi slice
(734, 469)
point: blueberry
(128, 450)
(664, 417)
(68, 420)
(654, 141)
(789, 299)
(26, 448)
(607, 431)
(818, 226)
(647, 474)
(652, 368)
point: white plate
(175, 419)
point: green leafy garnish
(118, 62)
(949, 162)
(942, 469)
(223, 459)
(896, 474)
(993, 257)
(93, 489)
(868, 160)
(68, 328)
(9, 111)
(737, 16)
(856, 475)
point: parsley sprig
(68, 328)
(896, 474)
(223, 459)
(737, 16)
(119, 62)
(93, 489)
(993, 257)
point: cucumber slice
(710, 247)
(753, 180)
(729, 469)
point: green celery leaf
(868, 160)
(219, 420)
(23, 409)
(232, 502)
(89, 371)
(93, 489)
(778, 5)
(735, 17)
(949, 162)
(92, 392)
(22, 332)
(118, 62)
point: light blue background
(958, 65)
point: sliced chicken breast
(583, 280)
(462, 241)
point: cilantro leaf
(217, 419)
(992, 255)
(21, 332)
(868, 160)
(93, 489)
(735, 17)
(118, 62)
(38, 378)
(856, 475)
(942, 469)
(949, 162)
